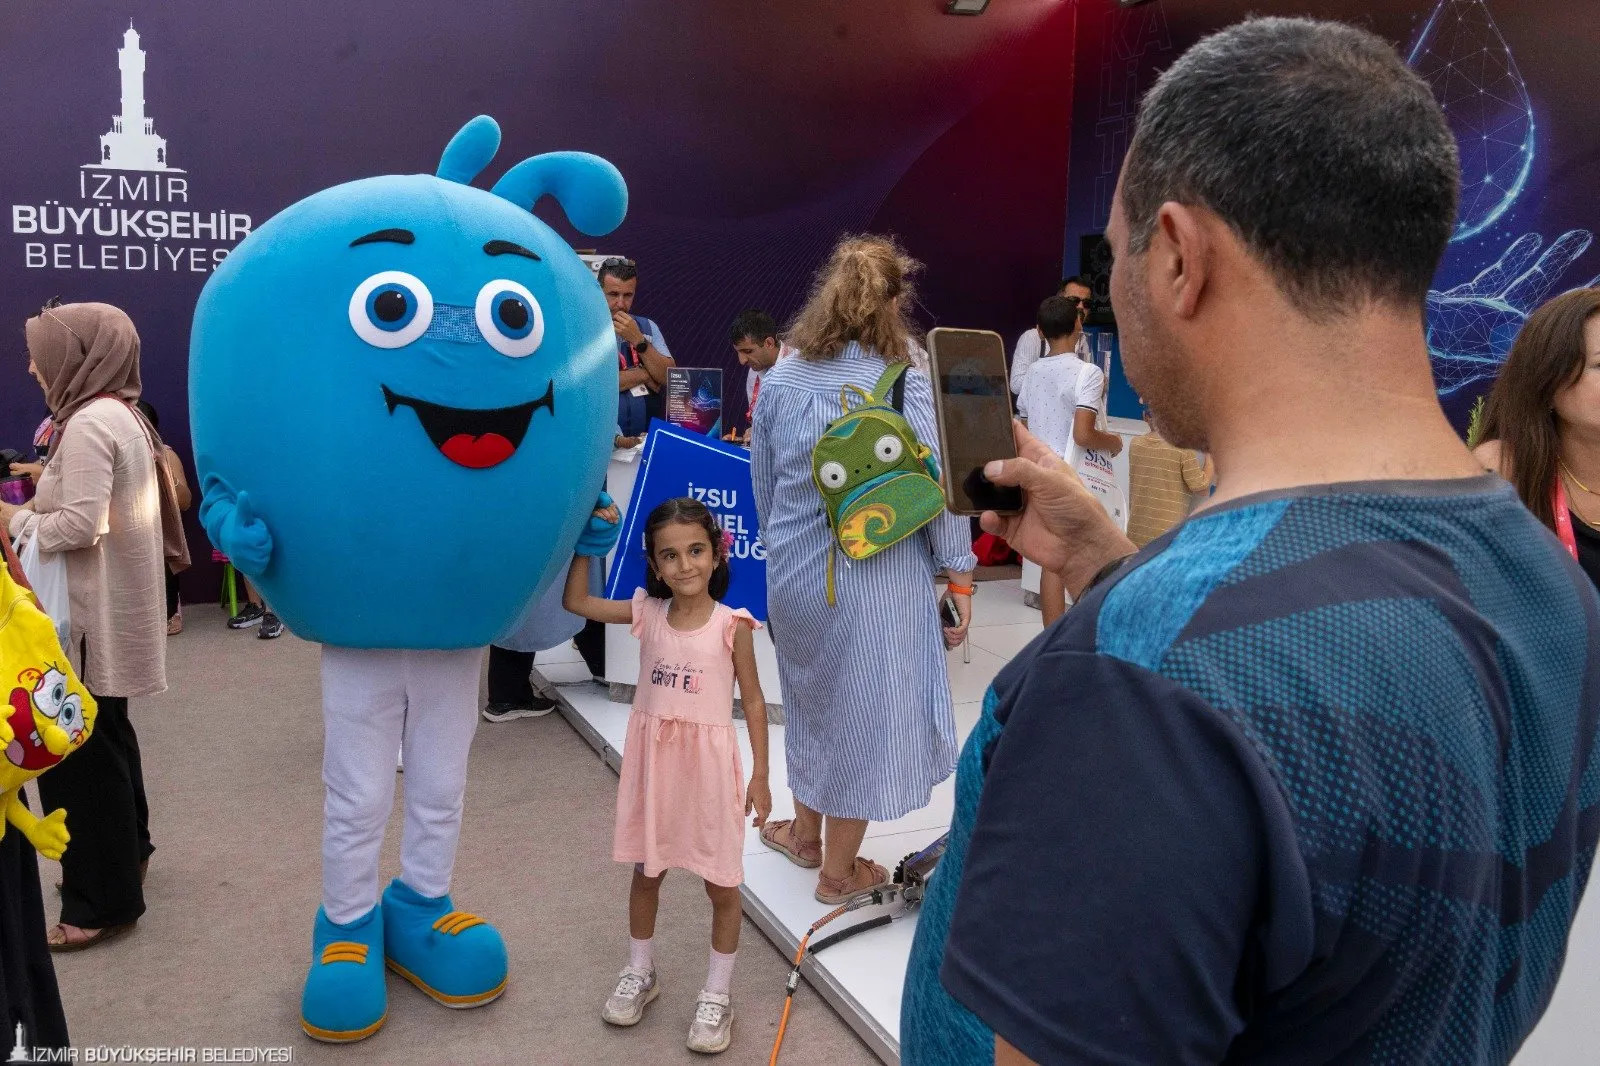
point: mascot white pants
(372, 702)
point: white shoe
(712, 1029)
(636, 989)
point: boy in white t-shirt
(1062, 396)
(1061, 400)
(1032, 344)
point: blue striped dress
(868, 721)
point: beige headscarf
(83, 352)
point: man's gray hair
(1327, 156)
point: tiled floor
(862, 977)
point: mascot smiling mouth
(470, 438)
(27, 750)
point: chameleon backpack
(45, 712)
(879, 482)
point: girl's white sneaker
(634, 992)
(712, 1029)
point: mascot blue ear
(589, 189)
(470, 150)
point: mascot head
(415, 381)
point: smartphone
(949, 614)
(972, 399)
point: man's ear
(1180, 258)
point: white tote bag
(47, 573)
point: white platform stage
(862, 977)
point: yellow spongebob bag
(45, 712)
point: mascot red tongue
(477, 453)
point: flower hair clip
(727, 542)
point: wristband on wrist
(1105, 573)
(958, 590)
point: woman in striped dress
(868, 720)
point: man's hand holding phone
(1062, 526)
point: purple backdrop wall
(1515, 81)
(751, 137)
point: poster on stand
(694, 399)
(679, 462)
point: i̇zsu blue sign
(678, 462)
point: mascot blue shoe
(456, 958)
(345, 999)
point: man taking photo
(1314, 777)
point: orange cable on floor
(794, 974)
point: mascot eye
(57, 694)
(71, 713)
(833, 475)
(391, 309)
(510, 319)
(888, 448)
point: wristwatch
(638, 349)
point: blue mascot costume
(404, 395)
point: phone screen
(975, 416)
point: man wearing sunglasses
(642, 355)
(1032, 344)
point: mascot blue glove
(403, 392)
(600, 533)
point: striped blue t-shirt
(1314, 779)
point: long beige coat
(98, 501)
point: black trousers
(511, 672)
(510, 676)
(591, 642)
(28, 992)
(172, 594)
(102, 787)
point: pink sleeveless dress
(680, 803)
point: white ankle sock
(719, 976)
(641, 954)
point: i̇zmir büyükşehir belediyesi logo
(132, 210)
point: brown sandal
(99, 936)
(805, 854)
(834, 891)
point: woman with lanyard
(1541, 424)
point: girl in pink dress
(682, 799)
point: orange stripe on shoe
(332, 1036)
(457, 1002)
(344, 951)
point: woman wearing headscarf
(103, 503)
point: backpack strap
(892, 386)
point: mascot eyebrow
(405, 236)
(389, 236)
